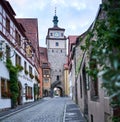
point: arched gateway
(57, 89)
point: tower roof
(55, 20)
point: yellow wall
(66, 82)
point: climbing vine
(105, 50)
(13, 72)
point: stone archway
(19, 99)
(58, 91)
(57, 84)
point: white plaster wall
(5, 103)
(23, 79)
(52, 43)
(3, 71)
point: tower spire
(55, 19)
(55, 10)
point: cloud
(60, 2)
(75, 16)
(79, 6)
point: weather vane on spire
(55, 10)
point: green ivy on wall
(78, 66)
(13, 72)
(106, 50)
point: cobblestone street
(50, 110)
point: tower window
(62, 34)
(57, 44)
(58, 77)
(51, 34)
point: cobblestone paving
(59, 109)
(48, 111)
(73, 114)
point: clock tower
(56, 49)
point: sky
(75, 16)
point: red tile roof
(71, 41)
(31, 30)
(43, 56)
(31, 27)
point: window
(28, 92)
(30, 69)
(18, 60)
(57, 44)
(7, 51)
(61, 51)
(52, 50)
(44, 64)
(7, 25)
(46, 80)
(25, 65)
(18, 38)
(5, 88)
(51, 34)
(62, 34)
(58, 78)
(46, 72)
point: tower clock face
(56, 34)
